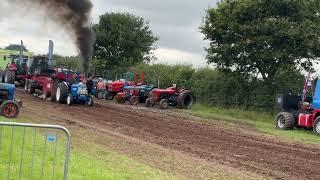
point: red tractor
(300, 111)
(117, 86)
(178, 97)
(49, 82)
(16, 70)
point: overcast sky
(175, 22)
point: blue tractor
(9, 107)
(134, 94)
(79, 95)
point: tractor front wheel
(30, 89)
(316, 126)
(110, 96)
(164, 104)
(134, 100)
(69, 100)
(10, 109)
(120, 99)
(285, 121)
(149, 102)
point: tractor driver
(89, 84)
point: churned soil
(209, 142)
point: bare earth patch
(179, 144)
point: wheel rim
(318, 128)
(135, 101)
(281, 121)
(165, 105)
(69, 100)
(10, 110)
(58, 94)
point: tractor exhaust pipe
(21, 52)
(50, 54)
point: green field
(3, 63)
(262, 121)
(87, 161)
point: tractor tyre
(110, 96)
(164, 104)
(10, 77)
(149, 102)
(105, 95)
(2, 76)
(10, 109)
(134, 100)
(31, 90)
(54, 90)
(46, 95)
(285, 121)
(185, 100)
(316, 126)
(61, 93)
(90, 101)
(69, 100)
(119, 99)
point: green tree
(72, 61)
(122, 41)
(15, 47)
(261, 37)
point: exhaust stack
(21, 52)
(50, 54)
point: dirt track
(230, 147)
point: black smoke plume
(74, 16)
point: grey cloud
(176, 22)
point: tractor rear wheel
(164, 104)
(10, 76)
(316, 126)
(285, 121)
(134, 100)
(10, 109)
(61, 93)
(185, 100)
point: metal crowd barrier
(32, 151)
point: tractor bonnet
(5, 86)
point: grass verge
(97, 163)
(262, 121)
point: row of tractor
(132, 88)
(40, 77)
